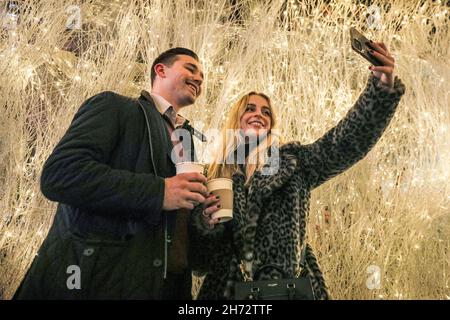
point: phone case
(359, 44)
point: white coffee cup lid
(186, 166)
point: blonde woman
(270, 208)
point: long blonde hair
(229, 143)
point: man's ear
(160, 70)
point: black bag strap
(269, 266)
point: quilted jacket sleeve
(77, 172)
(353, 137)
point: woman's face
(257, 115)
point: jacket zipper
(165, 246)
(156, 173)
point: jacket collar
(275, 174)
(160, 144)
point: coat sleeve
(353, 137)
(77, 172)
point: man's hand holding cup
(187, 189)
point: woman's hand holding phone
(384, 72)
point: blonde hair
(230, 141)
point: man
(120, 227)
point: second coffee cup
(223, 188)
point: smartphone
(361, 46)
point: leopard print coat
(270, 212)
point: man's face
(183, 80)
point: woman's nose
(258, 114)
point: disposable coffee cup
(187, 167)
(223, 188)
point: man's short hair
(169, 57)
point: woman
(270, 210)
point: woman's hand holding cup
(210, 206)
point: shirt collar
(161, 104)
(163, 107)
(180, 121)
